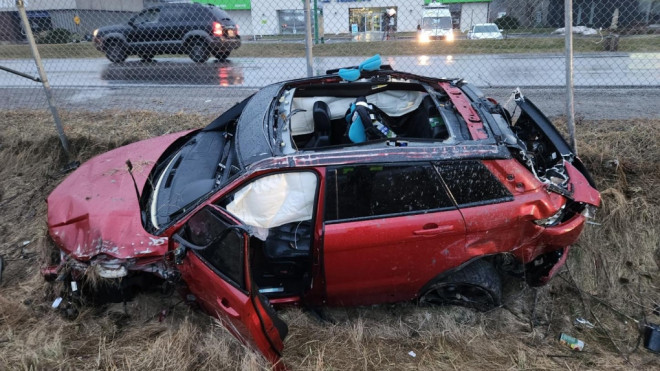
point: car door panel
(389, 229)
(224, 294)
(389, 260)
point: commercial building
(332, 17)
(272, 17)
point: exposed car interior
(279, 210)
(321, 116)
(281, 265)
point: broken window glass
(471, 183)
(380, 190)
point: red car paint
(95, 215)
(464, 106)
(96, 211)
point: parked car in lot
(178, 28)
(321, 191)
(484, 31)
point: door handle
(433, 229)
(224, 304)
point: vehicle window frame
(329, 178)
(218, 213)
(222, 201)
(144, 13)
(167, 13)
(508, 198)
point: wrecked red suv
(321, 191)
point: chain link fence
(189, 55)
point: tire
(476, 285)
(198, 51)
(222, 55)
(115, 52)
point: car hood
(95, 210)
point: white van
(436, 23)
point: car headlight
(450, 36)
(95, 32)
(424, 37)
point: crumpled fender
(95, 210)
(581, 190)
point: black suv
(194, 29)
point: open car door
(213, 254)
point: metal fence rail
(151, 51)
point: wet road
(500, 70)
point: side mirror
(501, 30)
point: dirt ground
(612, 278)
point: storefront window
(370, 19)
(292, 21)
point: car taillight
(217, 29)
(236, 25)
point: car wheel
(222, 55)
(476, 285)
(147, 57)
(115, 52)
(199, 52)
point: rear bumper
(225, 44)
(545, 256)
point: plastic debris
(74, 286)
(571, 342)
(581, 322)
(652, 337)
(412, 354)
(57, 303)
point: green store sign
(227, 4)
(427, 2)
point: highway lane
(493, 70)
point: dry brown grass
(618, 261)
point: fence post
(43, 77)
(570, 103)
(308, 39)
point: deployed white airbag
(275, 200)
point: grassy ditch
(644, 43)
(616, 261)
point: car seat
(321, 115)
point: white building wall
(39, 4)
(335, 14)
(113, 5)
(473, 13)
(243, 18)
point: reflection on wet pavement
(222, 73)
